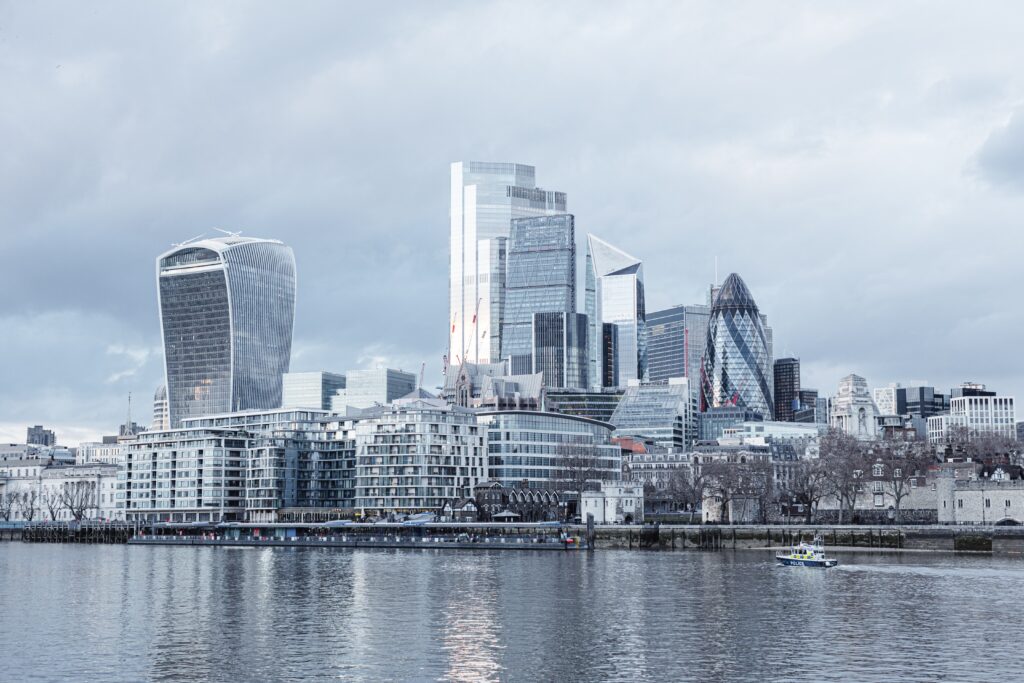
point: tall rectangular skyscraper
(540, 330)
(675, 342)
(615, 296)
(787, 388)
(227, 310)
(485, 197)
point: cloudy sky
(860, 165)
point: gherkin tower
(737, 367)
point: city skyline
(818, 199)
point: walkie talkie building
(227, 309)
(737, 363)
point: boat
(807, 555)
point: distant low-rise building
(616, 502)
(41, 490)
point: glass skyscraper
(615, 297)
(675, 343)
(737, 364)
(541, 331)
(485, 197)
(227, 309)
(787, 389)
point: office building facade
(485, 197)
(737, 366)
(616, 316)
(548, 450)
(376, 386)
(664, 412)
(227, 309)
(675, 343)
(786, 372)
(540, 330)
(310, 389)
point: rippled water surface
(119, 613)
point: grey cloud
(1001, 157)
(811, 150)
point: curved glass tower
(227, 309)
(737, 365)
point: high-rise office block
(737, 365)
(485, 197)
(540, 329)
(787, 389)
(675, 343)
(310, 389)
(227, 309)
(615, 297)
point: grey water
(124, 613)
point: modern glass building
(227, 309)
(596, 405)
(675, 343)
(663, 413)
(310, 389)
(737, 364)
(547, 450)
(541, 331)
(376, 386)
(485, 197)
(787, 389)
(713, 423)
(615, 297)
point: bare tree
(577, 465)
(743, 483)
(78, 498)
(51, 499)
(7, 499)
(28, 505)
(807, 485)
(902, 463)
(844, 460)
(687, 487)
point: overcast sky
(860, 165)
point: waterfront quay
(529, 536)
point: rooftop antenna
(229, 233)
(716, 270)
(188, 241)
(128, 422)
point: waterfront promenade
(469, 536)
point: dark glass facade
(675, 343)
(226, 310)
(540, 329)
(737, 362)
(787, 389)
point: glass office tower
(787, 389)
(540, 328)
(227, 309)
(615, 296)
(737, 365)
(485, 197)
(675, 343)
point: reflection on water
(118, 613)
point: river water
(124, 613)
